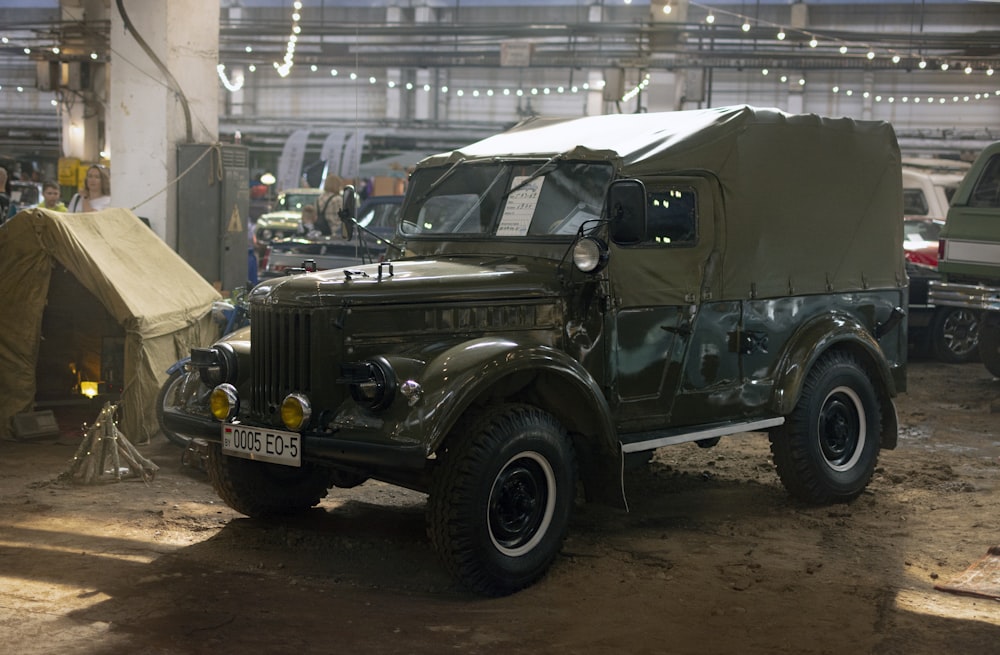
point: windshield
(295, 201)
(506, 199)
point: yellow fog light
(224, 402)
(295, 411)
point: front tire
(501, 498)
(263, 490)
(827, 449)
(169, 396)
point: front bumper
(969, 296)
(335, 448)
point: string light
(285, 67)
(844, 48)
(232, 86)
(641, 86)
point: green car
(969, 253)
(572, 296)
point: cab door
(659, 288)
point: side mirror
(627, 211)
(350, 206)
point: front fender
(491, 370)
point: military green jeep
(573, 295)
(969, 253)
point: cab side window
(987, 190)
(671, 216)
(915, 203)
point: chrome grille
(281, 340)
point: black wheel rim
(519, 506)
(961, 332)
(841, 429)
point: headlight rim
(232, 397)
(598, 255)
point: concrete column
(796, 93)
(425, 102)
(146, 114)
(668, 90)
(84, 133)
(595, 78)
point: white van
(929, 184)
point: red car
(920, 240)
(950, 334)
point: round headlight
(266, 234)
(216, 365)
(295, 411)
(374, 384)
(224, 402)
(590, 255)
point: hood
(428, 280)
(280, 219)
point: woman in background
(96, 194)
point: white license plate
(262, 445)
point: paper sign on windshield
(520, 207)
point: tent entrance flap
(82, 348)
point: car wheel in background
(954, 335)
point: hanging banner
(333, 147)
(290, 162)
(350, 162)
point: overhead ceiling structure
(434, 73)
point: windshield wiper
(538, 173)
(438, 182)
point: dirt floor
(713, 557)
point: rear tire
(263, 490)
(501, 498)
(989, 346)
(827, 449)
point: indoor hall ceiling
(351, 34)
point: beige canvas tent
(83, 292)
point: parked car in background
(950, 334)
(969, 253)
(286, 219)
(377, 220)
(929, 184)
